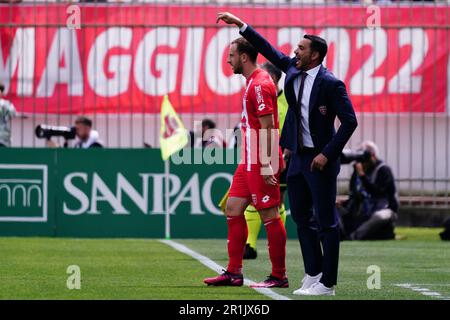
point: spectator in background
(7, 112)
(210, 136)
(85, 138)
(371, 210)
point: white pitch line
(217, 268)
(430, 284)
(423, 291)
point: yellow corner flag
(173, 135)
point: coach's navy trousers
(312, 199)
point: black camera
(46, 131)
(348, 156)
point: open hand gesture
(229, 19)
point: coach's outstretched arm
(278, 58)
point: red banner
(124, 59)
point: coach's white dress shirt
(309, 81)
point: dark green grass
(35, 268)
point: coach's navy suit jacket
(328, 99)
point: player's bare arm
(267, 123)
(229, 19)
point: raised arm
(275, 56)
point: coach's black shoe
(249, 253)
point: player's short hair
(318, 44)
(84, 120)
(243, 46)
(208, 123)
(272, 70)
(2, 87)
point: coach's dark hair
(272, 70)
(2, 87)
(84, 120)
(318, 44)
(243, 46)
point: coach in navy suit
(315, 99)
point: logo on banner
(147, 196)
(23, 192)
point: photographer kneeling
(371, 210)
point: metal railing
(397, 72)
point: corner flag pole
(172, 138)
(166, 198)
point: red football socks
(237, 237)
(276, 236)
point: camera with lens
(46, 131)
(349, 156)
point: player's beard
(305, 62)
(237, 69)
